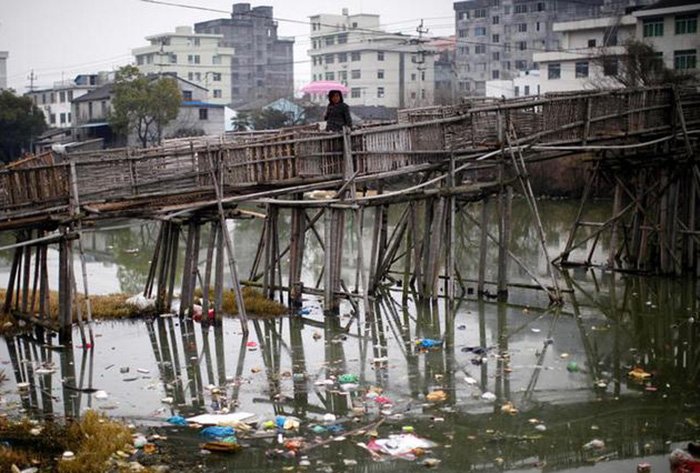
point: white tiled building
(526, 84)
(55, 102)
(578, 66)
(379, 68)
(671, 27)
(198, 58)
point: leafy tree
(641, 66)
(242, 122)
(143, 104)
(20, 122)
(270, 119)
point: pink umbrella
(323, 87)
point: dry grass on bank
(94, 440)
(115, 307)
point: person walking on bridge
(337, 113)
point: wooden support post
(16, 261)
(26, 274)
(617, 205)
(451, 241)
(505, 200)
(480, 286)
(185, 288)
(219, 272)
(691, 256)
(171, 270)
(208, 268)
(296, 254)
(664, 257)
(65, 260)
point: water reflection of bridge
(445, 160)
(628, 313)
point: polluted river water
(605, 383)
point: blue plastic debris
(217, 432)
(304, 311)
(428, 343)
(177, 420)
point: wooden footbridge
(434, 162)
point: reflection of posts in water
(481, 305)
(235, 392)
(428, 326)
(301, 396)
(220, 353)
(15, 351)
(70, 397)
(191, 359)
(379, 345)
(172, 384)
(87, 359)
(502, 388)
(336, 402)
(270, 348)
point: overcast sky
(58, 39)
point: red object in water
(211, 314)
(251, 344)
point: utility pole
(32, 77)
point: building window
(342, 57)
(217, 93)
(480, 13)
(554, 71)
(496, 56)
(413, 76)
(380, 73)
(214, 59)
(541, 6)
(527, 90)
(203, 114)
(190, 76)
(70, 97)
(495, 74)
(462, 33)
(522, 27)
(52, 118)
(63, 118)
(187, 95)
(520, 65)
(330, 40)
(653, 27)
(355, 74)
(356, 92)
(520, 8)
(413, 95)
(505, 65)
(495, 20)
(343, 76)
(686, 24)
(610, 66)
(685, 59)
(330, 76)
(495, 38)
(463, 15)
(355, 56)
(380, 92)
(516, 91)
(480, 49)
(380, 55)
(521, 45)
(62, 97)
(198, 76)
(329, 58)
(480, 31)
(581, 69)
(342, 38)
(216, 76)
(591, 43)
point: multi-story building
(198, 58)
(379, 68)
(55, 102)
(589, 54)
(496, 39)
(262, 67)
(3, 69)
(671, 27)
(445, 71)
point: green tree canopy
(143, 105)
(20, 122)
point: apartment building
(379, 68)
(671, 27)
(55, 101)
(496, 39)
(589, 54)
(199, 58)
(3, 69)
(262, 67)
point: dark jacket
(337, 115)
